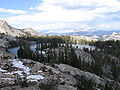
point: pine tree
(20, 52)
(115, 70)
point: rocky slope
(113, 36)
(63, 75)
(9, 30)
(4, 41)
(37, 75)
(79, 38)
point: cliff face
(9, 30)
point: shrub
(49, 85)
(84, 84)
(24, 83)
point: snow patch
(1, 70)
(35, 77)
(40, 71)
(19, 64)
(43, 52)
(7, 78)
(15, 72)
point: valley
(47, 62)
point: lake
(33, 47)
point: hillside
(55, 64)
(9, 30)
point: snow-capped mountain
(95, 37)
(113, 36)
(90, 32)
(9, 30)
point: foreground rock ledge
(61, 73)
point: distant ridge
(88, 32)
(9, 30)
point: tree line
(59, 50)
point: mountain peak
(3, 23)
(9, 30)
(114, 33)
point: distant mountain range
(88, 33)
(9, 30)
(77, 35)
(113, 36)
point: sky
(62, 15)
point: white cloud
(64, 14)
(79, 3)
(12, 11)
(109, 26)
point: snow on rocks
(1, 70)
(37, 72)
(35, 77)
(43, 52)
(14, 72)
(20, 69)
(40, 71)
(19, 64)
(7, 78)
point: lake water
(15, 49)
(33, 47)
